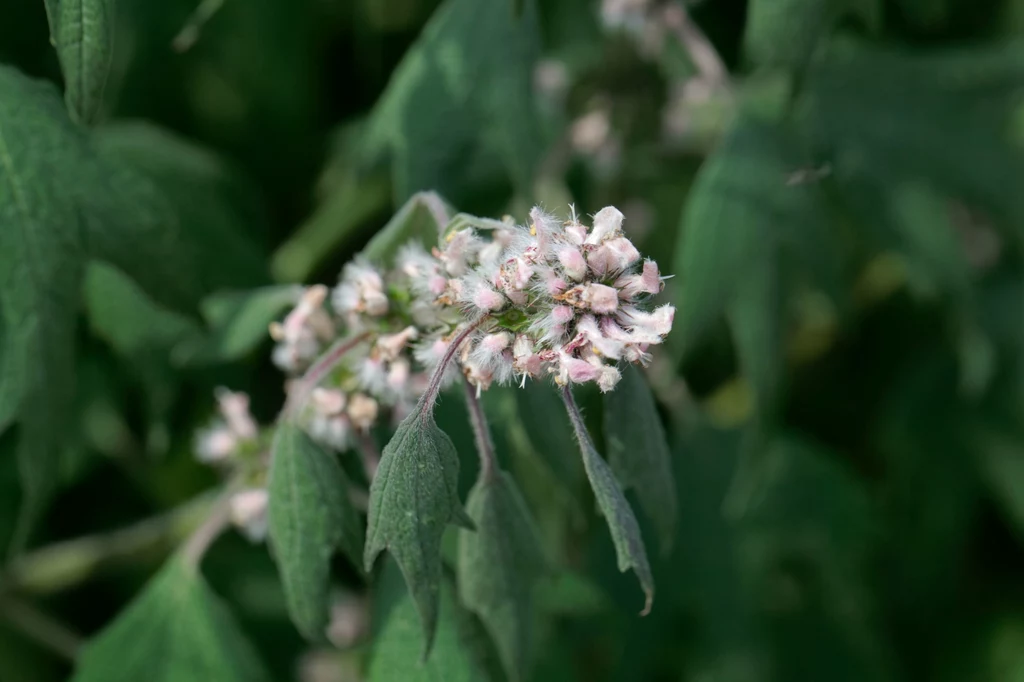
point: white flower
(607, 224)
(234, 407)
(249, 513)
(362, 411)
(215, 444)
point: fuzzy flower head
(566, 299)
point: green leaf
(173, 216)
(394, 657)
(309, 517)
(455, 97)
(625, 531)
(412, 498)
(421, 218)
(784, 33)
(176, 630)
(156, 211)
(638, 452)
(498, 568)
(755, 206)
(83, 32)
(238, 322)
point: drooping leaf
(498, 567)
(238, 322)
(638, 451)
(625, 531)
(397, 647)
(456, 96)
(310, 516)
(83, 32)
(176, 630)
(412, 498)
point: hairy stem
(320, 368)
(204, 536)
(65, 564)
(434, 387)
(481, 432)
(576, 417)
(40, 627)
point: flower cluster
(232, 442)
(561, 299)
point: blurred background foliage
(836, 184)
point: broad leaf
(638, 452)
(400, 641)
(141, 201)
(412, 498)
(176, 630)
(625, 531)
(238, 322)
(455, 96)
(83, 32)
(498, 567)
(310, 517)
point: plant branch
(64, 564)
(481, 432)
(40, 627)
(320, 368)
(434, 387)
(204, 536)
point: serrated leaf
(238, 322)
(83, 33)
(455, 97)
(396, 648)
(421, 219)
(176, 630)
(638, 451)
(622, 524)
(310, 517)
(498, 567)
(412, 498)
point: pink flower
(488, 300)
(249, 513)
(575, 370)
(613, 256)
(572, 262)
(390, 345)
(588, 329)
(648, 282)
(327, 401)
(607, 224)
(600, 298)
(362, 410)
(234, 407)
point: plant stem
(40, 627)
(434, 387)
(320, 368)
(576, 417)
(370, 453)
(204, 536)
(481, 432)
(71, 562)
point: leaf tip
(648, 601)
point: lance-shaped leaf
(83, 33)
(499, 566)
(629, 544)
(401, 638)
(638, 451)
(177, 629)
(310, 517)
(412, 498)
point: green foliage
(83, 33)
(412, 498)
(638, 452)
(499, 565)
(176, 630)
(461, 102)
(310, 516)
